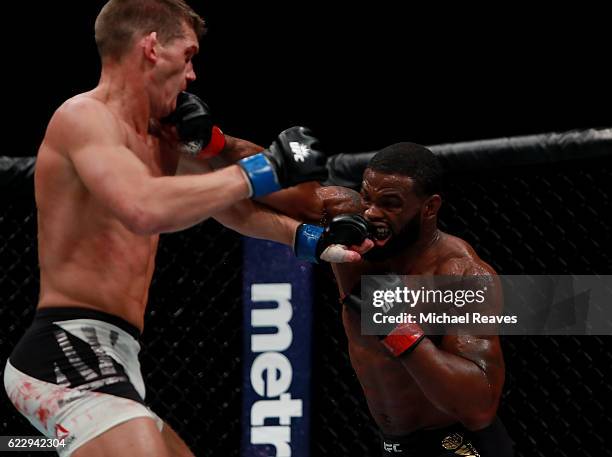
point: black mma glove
(314, 243)
(198, 134)
(290, 160)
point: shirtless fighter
(105, 188)
(429, 395)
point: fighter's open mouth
(382, 234)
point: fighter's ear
(149, 46)
(432, 206)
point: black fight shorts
(456, 440)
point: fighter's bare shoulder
(81, 119)
(461, 259)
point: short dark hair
(120, 21)
(412, 160)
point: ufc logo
(392, 447)
(300, 151)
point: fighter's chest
(366, 351)
(148, 149)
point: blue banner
(277, 300)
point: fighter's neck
(124, 92)
(415, 253)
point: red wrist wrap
(215, 146)
(403, 338)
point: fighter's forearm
(347, 275)
(172, 203)
(455, 385)
(299, 202)
(246, 216)
(237, 148)
(253, 219)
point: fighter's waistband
(454, 439)
(84, 349)
(45, 316)
(419, 440)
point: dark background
(360, 76)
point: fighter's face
(174, 68)
(392, 207)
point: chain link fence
(536, 219)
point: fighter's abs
(96, 263)
(115, 282)
(387, 386)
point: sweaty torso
(396, 402)
(87, 257)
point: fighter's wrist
(403, 339)
(261, 174)
(215, 146)
(306, 242)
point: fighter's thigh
(175, 445)
(137, 437)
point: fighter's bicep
(112, 174)
(300, 202)
(340, 200)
